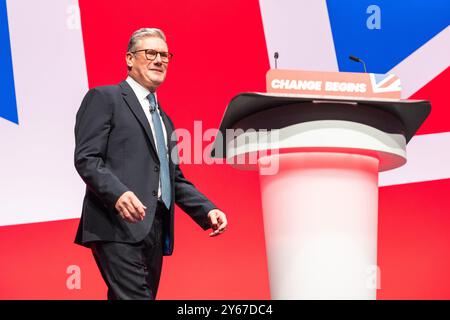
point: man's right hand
(130, 207)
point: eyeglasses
(151, 54)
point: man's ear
(128, 58)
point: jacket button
(156, 168)
(154, 193)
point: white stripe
(38, 179)
(300, 31)
(428, 155)
(428, 159)
(424, 64)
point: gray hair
(143, 33)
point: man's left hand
(218, 221)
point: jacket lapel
(133, 103)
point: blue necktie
(162, 153)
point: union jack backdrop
(53, 51)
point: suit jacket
(114, 153)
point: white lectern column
(320, 221)
(319, 190)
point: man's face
(149, 73)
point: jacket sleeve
(188, 198)
(192, 201)
(92, 129)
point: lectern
(318, 159)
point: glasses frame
(165, 60)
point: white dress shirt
(141, 94)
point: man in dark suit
(126, 155)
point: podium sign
(335, 84)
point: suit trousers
(132, 271)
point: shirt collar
(139, 90)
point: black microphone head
(354, 58)
(275, 55)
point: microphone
(276, 58)
(356, 59)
